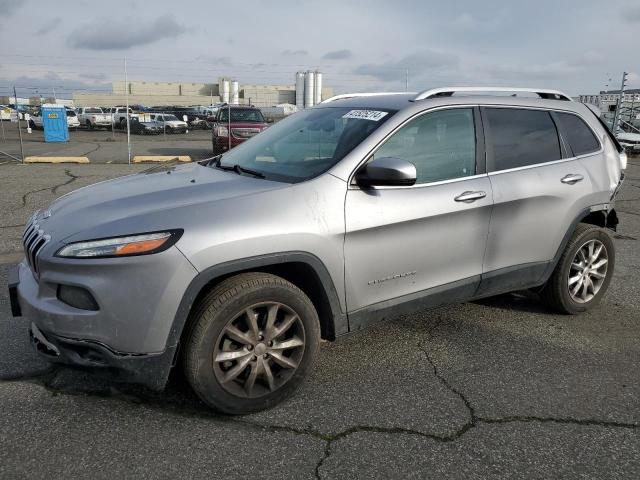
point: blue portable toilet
(54, 122)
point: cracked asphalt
(499, 388)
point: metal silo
(300, 90)
(309, 84)
(224, 90)
(317, 89)
(235, 92)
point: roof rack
(449, 91)
(372, 94)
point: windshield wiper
(238, 169)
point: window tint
(442, 145)
(577, 133)
(521, 137)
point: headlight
(143, 244)
(222, 132)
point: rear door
(405, 243)
(538, 190)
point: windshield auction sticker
(373, 115)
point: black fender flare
(567, 236)
(338, 317)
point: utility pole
(19, 129)
(406, 80)
(616, 117)
(126, 94)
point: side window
(519, 137)
(580, 137)
(442, 145)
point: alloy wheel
(259, 350)
(588, 271)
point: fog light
(77, 297)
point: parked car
(144, 127)
(358, 209)
(5, 113)
(246, 122)
(72, 119)
(35, 119)
(630, 142)
(93, 117)
(169, 123)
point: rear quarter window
(576, 132)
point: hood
(156, 199)
(259, 125)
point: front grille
(33, 240)
(244, 132)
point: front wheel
(252, 342)
(583, 273)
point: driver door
(411, 247)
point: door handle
(468, 197)
(572, 178)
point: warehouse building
(169, 93)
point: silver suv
(363, 207)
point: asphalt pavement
(101, 145)
(499, 388)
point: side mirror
(386, 171)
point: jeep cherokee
(363, 207)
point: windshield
(170, 118)
(241, 115)
(71, 113)
(307, 143)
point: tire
(32, 124)
(89, 125)
(557, 292)
(225, 384)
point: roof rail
(372, 94)
(448, 91)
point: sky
(578, 46)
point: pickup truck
(35, 119)
(93, 117)
(119, 116)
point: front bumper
(149, 370)
(130, 331)
(137, 298)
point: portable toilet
(54, 122)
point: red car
(246, 121)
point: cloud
(419, 64)
(124, 34)
(9, 7)
(292, 53)
(28, 86)
(226, 61)
(49, 26)
(97, 77)
(338, 54)
(631, 15)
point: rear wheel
(89, 125)
(252, 343)
(583, 273)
